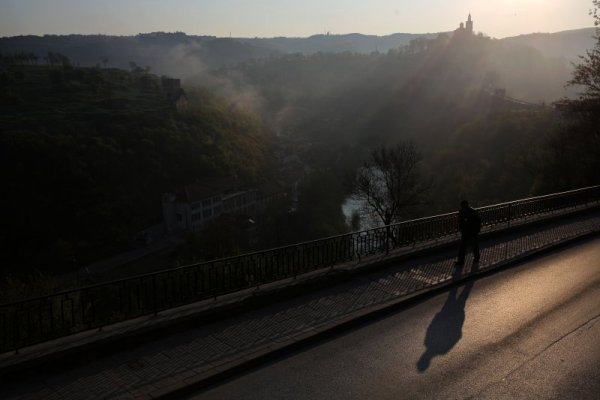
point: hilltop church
(465, 29)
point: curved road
(532, 331)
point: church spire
(469, 24)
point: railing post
(154, 295)
(387, 239)
(16, 330)
(509, 214)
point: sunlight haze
(291, 18)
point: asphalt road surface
(529, 332)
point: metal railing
(45, 318)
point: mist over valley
(167, 149)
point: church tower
(469, 25)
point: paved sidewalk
(164, 365)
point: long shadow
(445, 330)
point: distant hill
(181, 55)
(424, 91)
(567, 44)
(353, 42)
(174, 54)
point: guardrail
(45, 318)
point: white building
(196, 205)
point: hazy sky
(267, 18)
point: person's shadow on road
(445, 329)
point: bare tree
(587, 72)
(388, 183)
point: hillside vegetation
(85, 154)
(440, 93)
(421, 91)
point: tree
(578, 138)
(57, 59)
(388, 183)
(587, 73)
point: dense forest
(87, 152)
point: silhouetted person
(469, 224)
